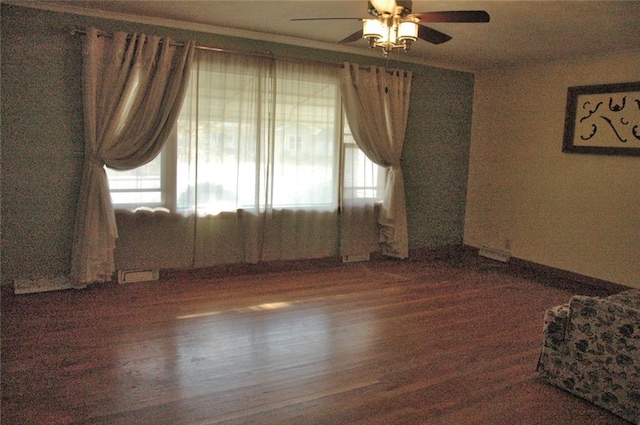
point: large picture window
(253, 134)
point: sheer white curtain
(363, 184)
(133, 87)
(376, 104)
(256, 171)
(257, 159)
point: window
(140, 186)
(150, 185)
(252, 134)
(363, 179)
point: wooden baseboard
(448, 252)
(594, 284)
(575, 282)
(456, 253)
(249, 268)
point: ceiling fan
(394, 26)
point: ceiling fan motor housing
(401, 9)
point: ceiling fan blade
(353, 37)
(432, 36)
(452, 16)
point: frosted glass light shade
(388, 36)
(407, 31)
(372, 28)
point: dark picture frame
(603, 119)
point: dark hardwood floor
(382, 342)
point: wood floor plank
(383, 342)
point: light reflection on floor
(259, 307)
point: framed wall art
(603, 119)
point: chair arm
(555, 326)
(607, 333)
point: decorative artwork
(603, 119)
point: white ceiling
(519, 32)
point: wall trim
(458, 254)
(565, 279)
(447, 252)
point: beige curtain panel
(133, 86)
(376, 104)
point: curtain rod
(268, 54)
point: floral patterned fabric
(592, 349)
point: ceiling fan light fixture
(389, 34)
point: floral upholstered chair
(592, 349)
